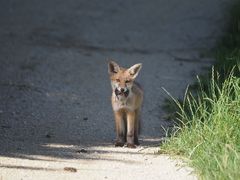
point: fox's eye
(127, 81)
(118, 80)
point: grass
(208, 128)
(209, 135)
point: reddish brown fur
(126, 110)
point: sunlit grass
(210, 131)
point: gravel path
(55, 110)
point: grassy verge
(209, 130)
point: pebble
(48, 135)
(82, 151)
(70, 169)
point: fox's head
(122, 79)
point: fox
(126, 99)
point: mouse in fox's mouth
(121, 93)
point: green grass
(208, 128)
(209, 136)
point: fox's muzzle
(121, 92)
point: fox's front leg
(130, 128)
(120, 128)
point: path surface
(55, 91)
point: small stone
(70, 169)
(6, 126)
(48, 135)
(85, 118)
(82, 151)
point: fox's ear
(113, 67)
(134, 70)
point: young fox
(127, 97)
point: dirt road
(55, 93)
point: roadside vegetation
(207, 131)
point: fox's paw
(131, 145)
(119, 144)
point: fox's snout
(122, 89)
(122, 92)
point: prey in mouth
(122, 93)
